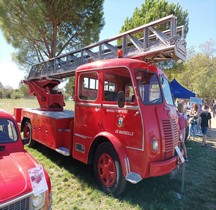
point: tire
(27, 134)
(107, 170)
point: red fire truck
(124, 120)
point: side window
(148, 86)
(88, 86)
(8, 131)
(110, 93)
(167, 91)
(116, 80)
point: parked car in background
(20, 187)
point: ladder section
(146, 42)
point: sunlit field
(9, 104)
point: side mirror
(121, 99)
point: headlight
(38, 201)
(155, 144)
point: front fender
(124, 161)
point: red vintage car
(17, 191)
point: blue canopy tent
(179, 91)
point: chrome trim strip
(82, 136)
(88, 104)
(114, 106)
(127, 165)
(134, 148)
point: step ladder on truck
(124, 121)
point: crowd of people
(194, 121)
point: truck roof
(115, 62)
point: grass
(74, 186)
(9, 104)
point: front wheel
(107, 169)
(27, 134)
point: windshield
(148, 86)
(166, 90)
(8, 132)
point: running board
(134, 178)
(63, 150)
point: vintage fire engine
(124, 120)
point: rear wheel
(107, 169)
(27, 134)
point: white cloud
(10, 74)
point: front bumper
(164, 167)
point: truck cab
(126, 103)
(16, 182)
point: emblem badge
(120, 122)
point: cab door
(124, 123)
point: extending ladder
(146, 42)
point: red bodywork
(15, 162)
(96, 119)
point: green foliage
(1, 90)
(43, 29)
(154, 9)
(23, 89)
(16, 95)
(6, 92)
(69, 87)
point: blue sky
(202, 28)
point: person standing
(193, 121)
(187, 120)
(205, 122)
(182, 120)
(214, 110)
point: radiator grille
(23, 204)
(171, 137)
(175, 134)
